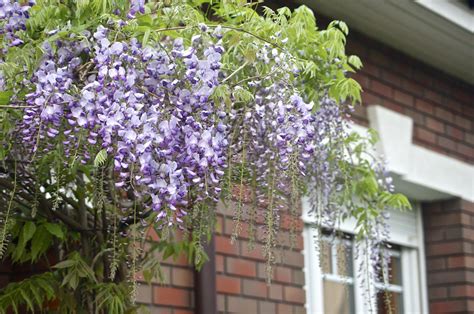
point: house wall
(240, 274)
(449, 237)
(441, 106)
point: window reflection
(338, 279)
(338, 298)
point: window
(332, 281)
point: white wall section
(420, 173)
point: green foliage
(32, 292)
(100, 158)
(74, 270)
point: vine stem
(10, 203)
(237, 29)
(235, 72)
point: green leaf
(65, 264)
(355, 62)
(5, 97)
(55, 230)
(29, 229)
(100, 158)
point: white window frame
(412, 259)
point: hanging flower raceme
(149, 107)
(13, 17)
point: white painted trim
(422, 263)
(451, 10)
(422, 174)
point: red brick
(381, 89)
(241, 267)
(425, 135)
(461, 262)
(445, 278)
(454, 132)
(391, 77)
(241, 305)
(393, 106)
(298, 277)
(444, 114)
(446, 248)
(295, 259)
(256, 253)
(469, 138)
(266, 307)
(178, 311)
(433, 96)
(438, 293)
(254, 288)
(221, 303)
(284, 309)
(417, 116)
(295, 295)
(449, 220)
(454, 105)
(282, 274)
(182, 277)
(436, 263)
(171, 296)
(424, 106)
(412, 87)
(219, 263)
(446, 143)
(461, 291)
(370, 99)
(447, 307)
(226, 284)
(465, 150)
(144, 294)
(462, 122)
(275, 291)
(224, 245)
(403, 98)
(371, 69)
(434, 125)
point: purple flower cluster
(13, 18)
(48, 103)
(148, 107)
(136, 6)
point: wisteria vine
(176, 116)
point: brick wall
(241, 284)
(441, 106)
(240, 278)
(172, 295)
(449, 237)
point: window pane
(390, 302)
(344, 259)
(338, 298)
(326, 257)
(395, 271)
